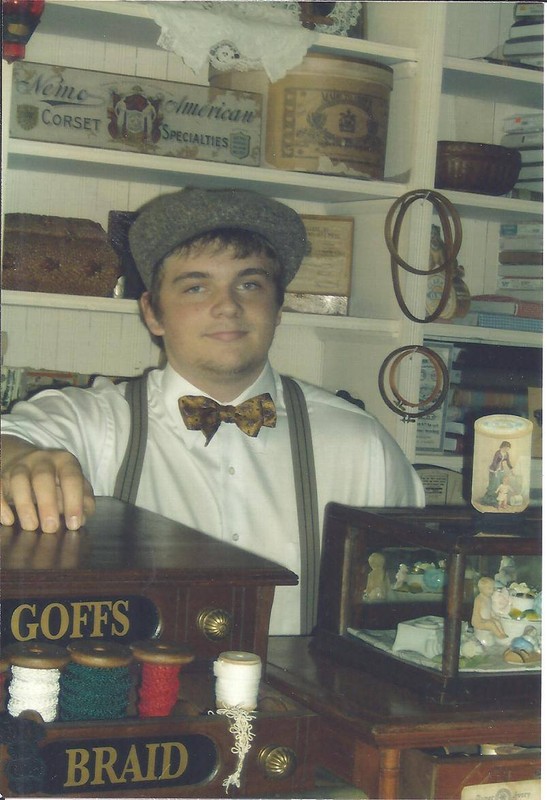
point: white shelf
(164, 170)
(113, 164)
(11, 298)
(490, 207)
(493, 82)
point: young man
(215, 264)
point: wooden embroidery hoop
(401, 405)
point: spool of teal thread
(96, 683)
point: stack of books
(520, 262)
(525, 133)
(482, 380)
(525, 42)
(517, 303)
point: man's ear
(150, 319)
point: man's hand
(39, 485)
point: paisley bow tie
(205, 414)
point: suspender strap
(306, 501)
(127, 482)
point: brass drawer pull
(214, 623)
(277, 761)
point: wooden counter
(369, 725)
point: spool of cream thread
(35, 677)
(237, 680)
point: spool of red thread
(160, 664)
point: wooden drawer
(188, 754)
(430, 774)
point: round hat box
(329, 115)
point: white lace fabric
(234, 35)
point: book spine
(521, 229)
(529, 309)
(520, 30)
(469, 398)
(533, 243)
(528, 45)
(522, 140)
(520, 283)
(522, 123)
(523, 10)
(507, 322)
(520, 257)
(520, 270)
(533, 155)
(532, 172)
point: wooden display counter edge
(368, 722)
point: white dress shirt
(238, 489)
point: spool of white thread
(34, 690)
(35, 676)
(237, 679)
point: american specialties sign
(122, 112)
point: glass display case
(446, 601)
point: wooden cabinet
(127, 576)
(441, 90)
(386, 740)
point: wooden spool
(100, 654)
(37, 655)
(161, 653)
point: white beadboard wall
(76, 340)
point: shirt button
(231, 470)
(235, 537)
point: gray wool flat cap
(172, 219)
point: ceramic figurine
(501, 601)
(524, 649)
(483, 617)
(507, 572)
(377, 582)
(400, 577)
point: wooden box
(131, 575)
(436, 774)
(413, 626)
(322, 284)
(58, 254)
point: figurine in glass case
(483, 617)
(378, 585)
(524, 649)
(507, 571)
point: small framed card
(326, 268)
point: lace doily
(233, 35)
(243, 35)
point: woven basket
(473, 167)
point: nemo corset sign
(122, 112)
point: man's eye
(251, 285)
(193, 289)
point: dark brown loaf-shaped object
(58, 254)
